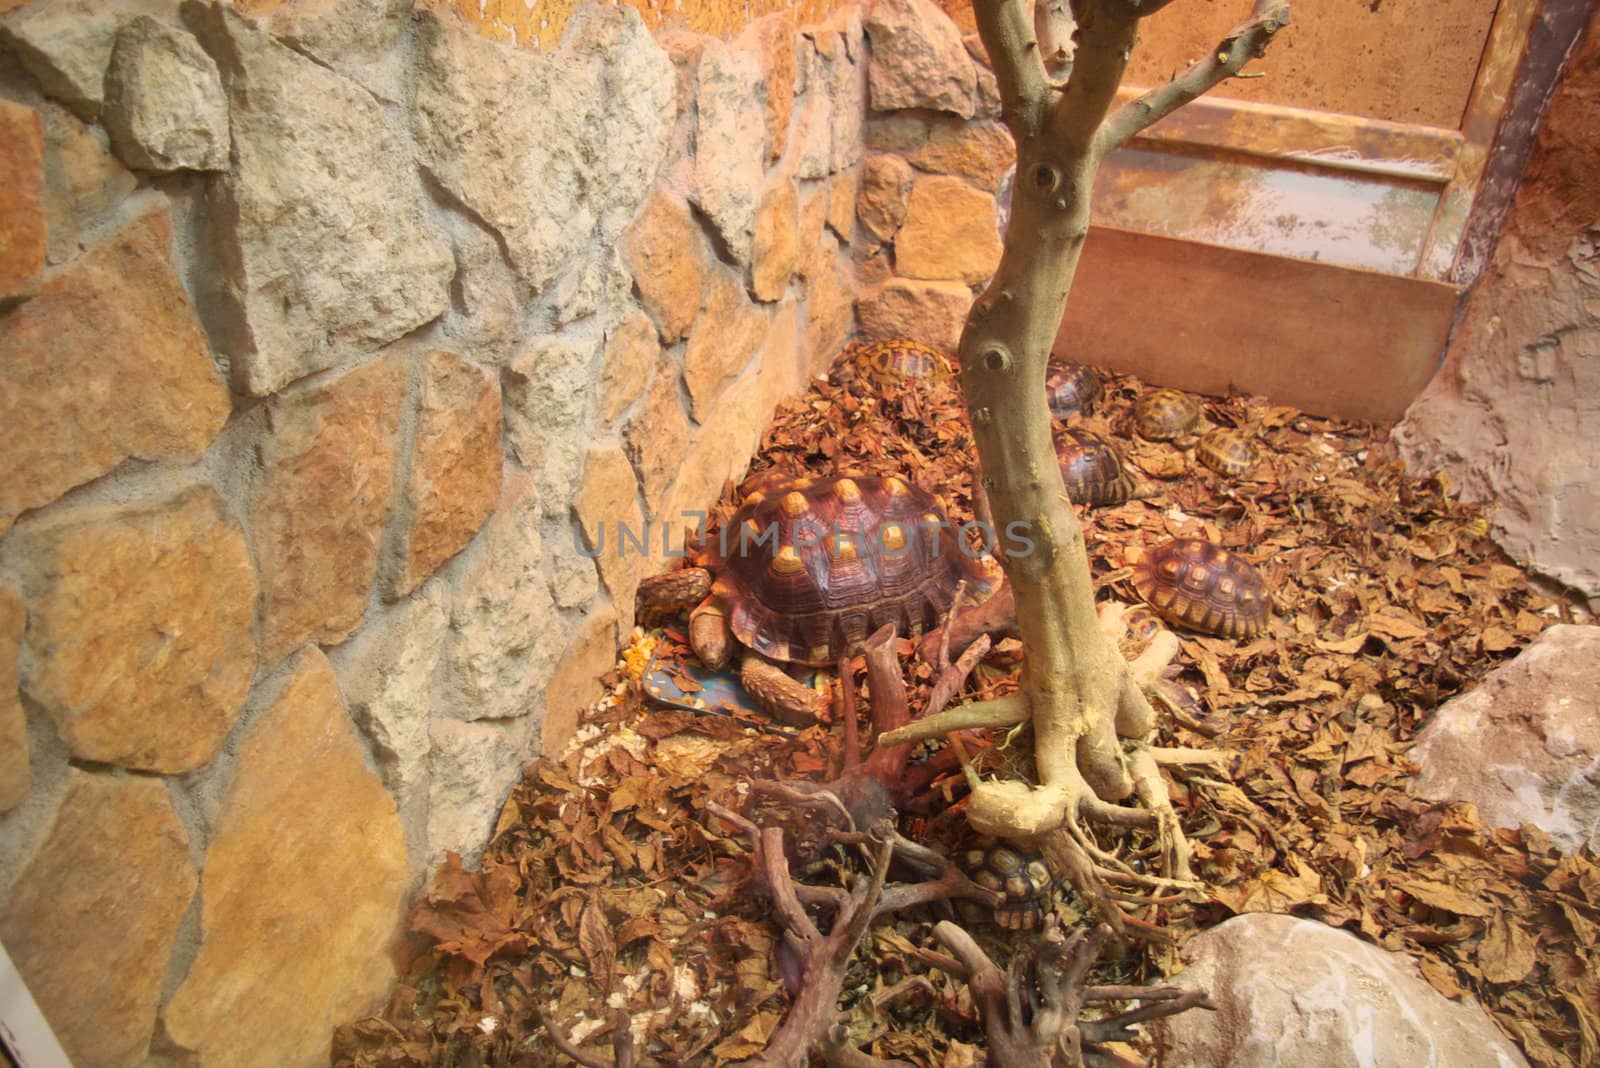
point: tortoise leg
(787, 700)
(666, 595)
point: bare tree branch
(1007, 31)
(1246, 42)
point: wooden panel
(1332, 340)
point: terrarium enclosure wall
(335, 335)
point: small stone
(139, 641)
(657, 435)
(1293, 993)
(843, 190)
(23, 238)
(84, 184)
(66, 45)
(471, 770)
(728, 160)
(725, 336)
(918, 60)
(575, 686)
(608, 511)
(632, 348)
(720, 452)
(776, 251)
(572, 575)
(813, 217)
(830, 302)
(455, 469)
(1523, 744)
(488, 318)
(774, 39)
(898, 132)
(16, 771)
(92, 919)
(106, 362)
(547, 390)
(165, 109)
(814, 133)
(981, 152)
(784, 368)
(885, 194)
(307, 852)
(948, 233)
(506, 631)
(319, 509)
(933, 313)
(669, 259)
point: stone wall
(321, 330)
(1513, 414)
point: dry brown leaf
(1507, 953)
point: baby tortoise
(898, 360)
(1165, 414)
(1204, 587)
(1092, 469)
(1228, 452)
(1024, 879)
(806, 569)
(1072, 389)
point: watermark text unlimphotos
(924, 538)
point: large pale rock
(66, 45)
(657, 436)
(607, 510)
(23, 237)
(357, 38)
(506, 633)
(948, 233)
(632, 349)
(669, 258)
(981, 152)
(1524, 744)
(841, 56)
(384, 674)
(321, 503)
(91, 921)
(729, 156)
(1291, 993)
(165, 109)
(16, 770)
(139, 642)
(302, 889)
(813, 133)
(488, 317)
(455, 468)
(591, 652)
(725, 336)
(595, 282)
(885, 194)
(550, 150)
(547, 390)
(472, 768)
(324, 240)
(775, 257)
(84, 183)
(573, 578)
(933, 313)
(775, 39)
(918, 60)
(105, 363)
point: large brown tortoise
(807, 569)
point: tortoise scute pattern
(1025, 880)
(1072, 389)
(1228, 452)
(895, 361)
(808, 571)
(1165, 414)
(1092, 469)
(1196, 584)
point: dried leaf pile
(609, 887)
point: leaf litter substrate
(609, 886)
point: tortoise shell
(1228, 452)
(897, 360)
(1072, 389)
(1165, 414)
(1092, 469)
(1024, 879)
(1205, 587)
(807, 569)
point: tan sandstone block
(139, 635)
(303, 887)
(813, 218)
(933, 313)
(455, 470)
(92, 919)
(22, 225)
(106, 362)
(576, 683)
(657, 435)
(842, 189)
(978, 151)
(775, 38)
(16, 771)
(632, 348)
(726, 335)
(317, 514)
(830, 306)
(668, 257)
(608, 503)
(885, 194)
(775, 255)
(948, 233)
